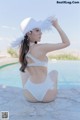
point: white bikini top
(37, 62)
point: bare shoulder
(37, 49)
(49, 47)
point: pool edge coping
(8, 62)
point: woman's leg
(54, 77)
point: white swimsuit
(38, 90)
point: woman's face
(35, 35)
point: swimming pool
(69, 74)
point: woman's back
(37, 64)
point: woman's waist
(37, 72)
(38, 78)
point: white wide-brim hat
(29, 24)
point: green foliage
(64, 57)
(12, 52)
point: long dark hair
(24, 48)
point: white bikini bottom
(39, 90)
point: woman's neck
(32, 43)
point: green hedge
(64, 57)
(12, 52)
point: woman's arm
(24, 77)
(62, 34)
(65, 41)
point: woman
(38, 84)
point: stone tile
(66, 106)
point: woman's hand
(54, 21)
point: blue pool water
(69, 74)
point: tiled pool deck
(65, 107)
